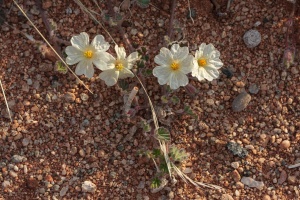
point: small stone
(17, 159)
(187, 170)
(6, 184)
(235, 165)
(283, 177)
(226, 197)
(69, 97)
(236, 149)
(236, 176)
(252, 38)
(73, 151)
(266, 197)
(88, 186)
(292, 179)
(294, 70)
(285, 144)
(133, 31)
(252, 183)
(253, 89)
(63, 191)
(241, 101)
(42, 190)
(81, 153)
(171, 195)
(25, 141)
(32, 183)
(84, 97)
(13, 174)
(256, 24)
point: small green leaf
(163, 134)
(146, 126)
(188, 110)
(146, 57)
(156, 153)
(60, 67)
(164, 167)
(148, 72)
(164, 99)
(144, 50)
(155, 183)
(175, 100)
(141, 64)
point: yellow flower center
(175, 65)
(202, 62)
(119, 66)
(88, 54)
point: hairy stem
(170, 31)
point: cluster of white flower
(173, 65)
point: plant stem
(5, 101)
(217, 6)
(170, 31)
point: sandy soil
(62, 135)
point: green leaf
(146, 57)
(155, 183)
(156, 153)
(164, 99)
(60, 67)
(177, 155)
(175, 100)
(188, 110)
(148, 72)
(164, 167)
(141, 64)
(146, 126)
(163, 134)
(144, 50)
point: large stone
(250, 182)
(252, 38)
(241, 101)
(88, 186)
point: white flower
(87, 54)
(118, 68)
(206, 63)
(173, 66)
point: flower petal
(121, 54)
(199, 53)
(100, 64)
(85, 67)
(89, 73)
(109, 76)
(74, 55)
(216, 62)
(99, 43)
(187, 64)
(198, 73)
(125, 73)
(132, 58)
(211, 73)
(81, 68)
(179, 53)
(208, 49)
(162, 73)
(103, 61)
(164, 57)
(80, 41)
(178, 79)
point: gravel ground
(65, 143)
